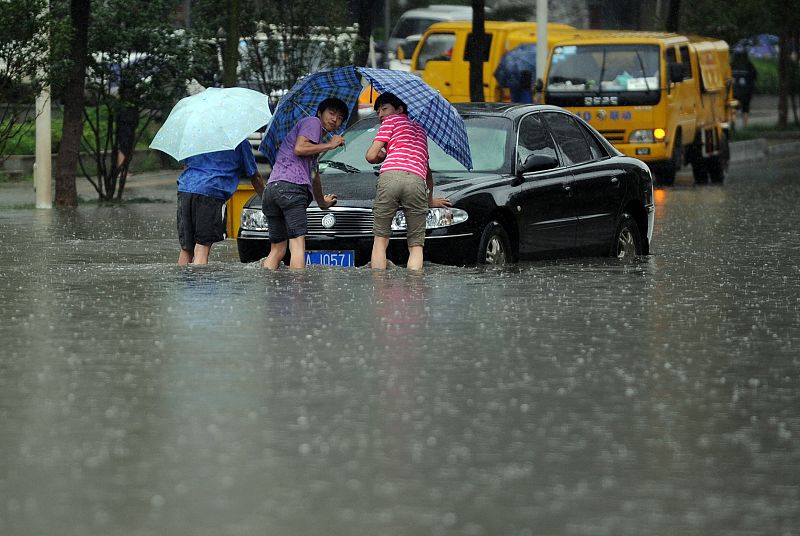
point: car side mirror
(538, 162)
(675, 72)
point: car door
(596, 181)
(543, 205)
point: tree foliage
(282, 41)
(23, 62)
(138, 68)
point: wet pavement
(573, 397)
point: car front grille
(349, 222)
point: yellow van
(661, 97)
(442, 56)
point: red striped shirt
(406, 145)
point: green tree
(23, 60)
(138, 68)
(311, 35)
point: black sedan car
(544, 184)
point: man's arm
(305, 147)
(434, 202)
(324, 201)
(376, 152)
(258, 183)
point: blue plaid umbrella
(302, 100)
(427, 107)
(518, 59)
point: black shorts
(200, 220)
(284, 206)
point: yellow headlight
(659, 134)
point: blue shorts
(284, 205)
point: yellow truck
(442, 56)
(661, 97)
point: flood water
(575, 397)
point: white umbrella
(213, 120)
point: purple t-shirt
(292, 168)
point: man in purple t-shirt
(290, 187)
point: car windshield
(487, 136)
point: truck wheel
(252, 250)
(494, 246)
(718, 165)
(665, 174)
(627, 241)
(699, 167)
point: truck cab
(661, 97)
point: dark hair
(390, 98)
(337, 105)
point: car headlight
(253, 219)
(641, 136)
(437, 217)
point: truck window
(437, 47)
(604, 68)
(687, 66)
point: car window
(438, 47)
(534, 139)
(411, 25)
(569, 138)
(596, 148)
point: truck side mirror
(675, 72)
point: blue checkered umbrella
(427, 107)
(302, 100)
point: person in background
(744, 81)
(290, 187)
(208, 181)
(401, 146)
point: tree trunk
(783, 78)
(363, 13)
(674, 16)
(69, 150)
(230, 58)
(477, 46)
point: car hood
(358, 189)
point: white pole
(541, 38)
(42, 167)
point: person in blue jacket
(208, 181)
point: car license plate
(331, 258)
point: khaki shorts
(401, 189)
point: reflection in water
(562, 397)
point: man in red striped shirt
(401, 145)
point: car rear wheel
(252, 250)
(494, 246)
(627, 240)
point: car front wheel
(627, 240)
(494, 246)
